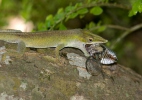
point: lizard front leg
(57, 50)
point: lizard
(75, 38)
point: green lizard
(76, 38)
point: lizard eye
(90, 39)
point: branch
(108, 5)
(117, 27)
(127, 32)
(110, 26)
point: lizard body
(76, 38)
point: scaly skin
(60, 39)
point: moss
(67, 88)
(36, 94)
(17, 83)
(47, 81)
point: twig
(117, 27)
(109, 5)
(110, 26)
(127, 32)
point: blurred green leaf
(62, 26)
(27, 8)
(101, 28)
(41, 26)
(96, 10)
(78, 4)
(71, 16)
(69, 8)
(49, 21)
(49, 17)
(60, 10)
(48, 24)
(59, 16)
(91, 25)
(136, 7)
(82, 11)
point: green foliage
(27, 8)
(71, 12)
(82, 11)
(62, 26)
(136, 7)
(7, 9)
(98, 27)
(96, 10)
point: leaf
(60, 10)
(101, 28)
(78, 4)
(136, 7)
(62, 26)
(49, 17)
(96, 10)
(41, 26)
(59, 16)
(49, 21)
(69, 8)
(82, 11)
(140, 8)
(27, 9)
(91, 25)
(131, 13)
(71, 16)
(48, 24)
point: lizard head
(90, 38)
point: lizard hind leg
(14, 53)
(21, 47)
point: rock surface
(32, 77)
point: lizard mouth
(89, 44)
(100, 42)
